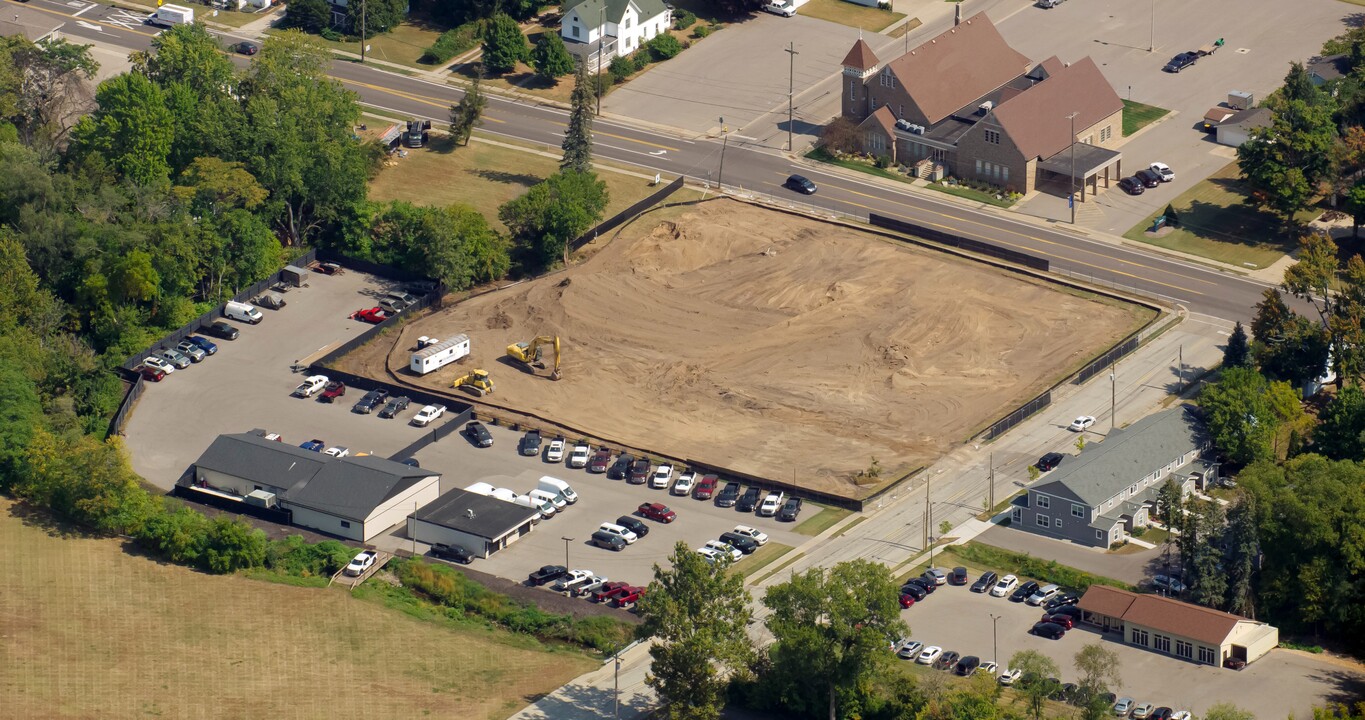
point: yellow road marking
(408, 96)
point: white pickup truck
(771, 504)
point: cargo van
(241, 311)
(558, 487)
(171, 15)
(546, 508)
(480, 488)
(549, 497)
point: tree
(1237, 353)
(1298, 85)
(503, 46)
(1099, 671)
(468, 113)
(553, 213)
(1037, 667)
(577, 143)
(1203, 574)
(1227, 711)
(187, 54)
(1285, 162)
(381, 16)
(550, 58)
(1169, 502)
(840, 135)
(454, 243)
(312, 16)
(131, 129)
(49, 86)
(1311, 278)
(1341, 434)
(1242, 540)
(1249, 417)
(1355, 205)
(698, 614)
(831, 627)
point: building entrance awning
(1090, 160)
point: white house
(615, 27)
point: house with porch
(1190, 632)
(1099, 497)
(977, 109)
(596, 31)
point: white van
(620, 532)
(243, 312)
(480, 488)
(171, 15)
(549, 497)
(545, 507)
(558, 487)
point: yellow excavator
(529, 353)
(476, 380)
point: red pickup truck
(608, 592)
(706, 487)
(629, 597)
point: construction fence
(628, 214)
(958, 241)
(1108, 359)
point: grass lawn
(847, 13)
(1136, 116)
(523, 78)
(762, 557)
(403, 45)
(972, 194)
(485, 176)
(1216, 223)
(1155, 536)
(822, 521)
(95, 631)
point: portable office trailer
(439, 355)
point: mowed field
(771, 343)
(90, 631)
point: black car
(245, 48)
(914, 590)
(1069, 610)
(633, 524)
(478, 434)
(1050, 461)
(728, 496)
(958, 576)
(1131, 185)
(800, 184)
(748, 501)
(790, 509)
(639, 472)
(967, 665)
(604, 539)
(928, 586)
(220, 330)
(372, 400)
(1060, 600)
(742, 543)
(395, 406)
(452, 552)
(985, 582)
(547, 574)
(1024, 592)
(1180, 62)
(620, 467)
(1051, 631)
(1148, 178)
(947, 660)
(530, 443)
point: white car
(910, 650)
(311, 385)
(987, 668)
(555, 453)
(1181, 715)
(684, 484)
(579, 457)
(663, 475)
(337, 451)
(360, 563)
(928, 655)
(1163, 171)
(1008, 676)
(759, 536)
(785, 8)
(1123, 706)
(1081, 423)
(176, 358)
(427, 414)
(159, 364)
(1004, 586)
(725, 549)
(711, 555)
(770, 504)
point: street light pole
(1113, 395)
(1151, 46)
(566, 540)
(1071, 200)
(601, 32)
(362, 31)
(995, 641)
(791, 88)
(617, 682)
(724, 141)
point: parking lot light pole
(1071, 199)
(995, 641)
(566, 540)
(617, 686)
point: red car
(151, 373)
(706, 487)
(334, 390)
(374, 315)
(657, 511)
(608, 592)
(907, 600)
(629, 596)
(1065, 621)
(600, 460)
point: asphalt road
(1071, 251)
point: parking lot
(1278, 685)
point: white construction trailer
(434, 357)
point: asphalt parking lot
(1278, 685)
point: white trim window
(1079, 510)
(1044, 502)
(1042, 521)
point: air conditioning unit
(904, 125)
(917, 129)
(260, 498)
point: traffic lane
(91, 21)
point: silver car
(192, 351)
(175, 357)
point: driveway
(1132, 568)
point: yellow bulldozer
(476, 380)
(530, 352)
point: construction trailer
(435, 357)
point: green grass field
(403, 45)
(92, 630)
(762, 558)
(822, 521)
(1137, 115)
(870, 19)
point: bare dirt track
(766, 342)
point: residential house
(598, 30)
(968, 101)
(1326, 69)
(1165, 625)
(1102, 495)
(1237, 129)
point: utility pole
(362, 31)
(1182, 369)
(618, 685)
(1113, 395)
(724, 141)
(566, 540)
(995, 640)
(791, 88)
(928, 520)
(601, 31)
(1151, 46)
(1072, 199)
(414, 535)
(992, 481)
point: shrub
(882, 161)
(883, 6)
(621, 68)
(328, 33)
(664, 47)
(451, 43)
(683, 20)
(701, 31)
(294, 556)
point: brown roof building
(1190, 632)
(967, 100)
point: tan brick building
(1190, 632)
(969, 102)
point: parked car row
(1147, 178)
(586, 584)
(378, 401)
(166, 360)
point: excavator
(476, 380)
(529, 353)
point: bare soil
(770, 343)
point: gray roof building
(474, 514)
(272, 463)
(353, 487)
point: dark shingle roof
(353, 487)
(478, 515)
(1331, 67)
(272, 463)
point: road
(1200, 288)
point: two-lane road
(1198, 287)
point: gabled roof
(1249, 119)
(882, 117)
(590, 11)
(353, 487)
(959, 65)
(1125, 457)
(1330, 67)
(479, 515)
(861, 56)
(1161, 613)
(271, 463)
(1036, 118)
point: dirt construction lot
(765, 342)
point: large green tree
(1285, 162)
(1098, 669)
(454, 244)
(552, 214)
(312, 16)
(468, 113)
(550, 58)
(697, 613)
(381, 16)
(1035, 668)
(44, 88)
(577, 143)
(831, 628)
(1242, 541)
(503, 45)
(1237, 353)
(1249, 417)
(131, 129)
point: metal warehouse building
(478, 523)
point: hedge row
(662, 47)
(1045, 571)
(453, 42)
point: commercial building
(1190, 632)
(480, 524)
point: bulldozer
(476, 380)
(530, 353)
